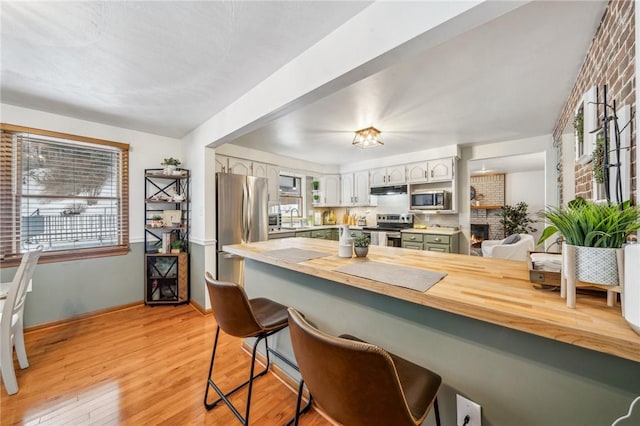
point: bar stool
(239, 316)
(357, 383)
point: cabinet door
(347, 197)
(378, 177)
(259, 170)
(440, 170)
(330, 187)
(417, 172)
(273, 187)
(361, 188)
(396, 175)
(222, 164)
(239, 166)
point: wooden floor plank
(140, 365)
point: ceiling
(158, 67)
(166, 67)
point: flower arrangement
(177, 246)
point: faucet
(291, 216)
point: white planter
(631, 290)
(598, 265)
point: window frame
(10, 225)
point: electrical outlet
(466, 407)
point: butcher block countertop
(492, 290)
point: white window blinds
(64, 192)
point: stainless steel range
(387, 232)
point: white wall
(146, 150)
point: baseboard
(79, 317)
(200, 308)
(280, 374)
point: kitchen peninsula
(519, 352)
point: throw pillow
(513, 238)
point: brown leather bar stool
(242, 317)
(357, 383)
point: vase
(598, 265)
(361, 251)
(169, 169)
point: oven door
(384, 238)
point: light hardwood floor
(141, 365)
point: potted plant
(170, 165)
(315, 184)
(156, 221)
(177, 246)
(316, 198)
(597, 232)
(361, 245)
(516, 220)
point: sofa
(505, 249)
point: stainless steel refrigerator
(242, 217)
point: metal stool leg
(436, 411)
(224, 397)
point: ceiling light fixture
(368, 138)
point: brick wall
(490, 192)
(610, 60)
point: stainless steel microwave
(431, 200)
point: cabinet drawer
(437, 239)
(412, 246)
(437, 247)
(321, 233)
(413, 238)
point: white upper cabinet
(222, 164)
(355, 189)
(431, 171)
(273, 174)
(330, 190)
(440, 170)
(394, 175)
(417, 172)
(239, 166)
(259, 170)
(348, 199)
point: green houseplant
(170, 164)
(597, 232)
(361, 245)
(516, 220)
(177, 246)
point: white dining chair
(11, 321)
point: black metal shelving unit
(166, 271)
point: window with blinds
(66, 193)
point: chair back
(355, 383)
(14, 304)
(231, 308)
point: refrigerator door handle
(249, 214)
(243, 217)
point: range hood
(389, 190)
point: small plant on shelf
(171, 162)
(315, 184)
(177, 246)
(170, 165)
(156, 221)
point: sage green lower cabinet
(333, 234)
(431, 242)
(319, 233)
(303, 234)
(412, 241)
